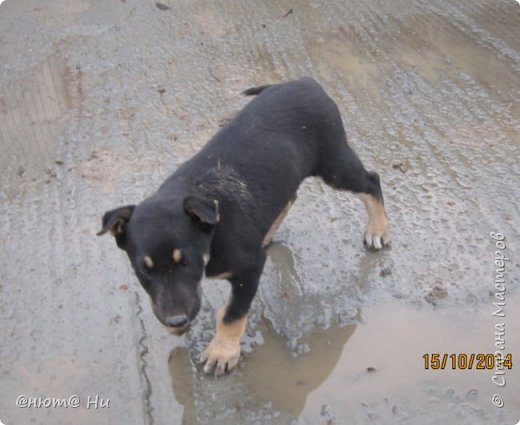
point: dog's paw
(376, 241)
(377, 236)
(220, 357)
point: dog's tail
(253, 91)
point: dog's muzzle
(177, 324)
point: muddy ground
(101, 100)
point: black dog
(219, 210)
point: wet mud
(100, 101)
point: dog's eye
(184, 262)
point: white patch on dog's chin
(205, 258)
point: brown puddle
(382, 359)
(375, 369)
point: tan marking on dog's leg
(225, 275)
(223, 351)
(274, 227)
(377, 234)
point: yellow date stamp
(463, 361)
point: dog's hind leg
(342, 169)
(377, 234)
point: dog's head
(168, 243)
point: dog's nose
(177, 321)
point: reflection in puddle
(270, 376)
(294, 310)
(273, 374)
(182, 382)
(284, 264)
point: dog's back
(280, 137)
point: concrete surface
(101, 100)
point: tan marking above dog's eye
(149, 262)
(177, 255)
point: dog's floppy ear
(114, 221)
(202, 210)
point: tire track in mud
(464, 17)
(459, 102)
(507, 13)
(270, 43)
(398, 66)
(463, 101)
(434, 90)
(256, 47)
(32, 117)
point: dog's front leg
(223, 352)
